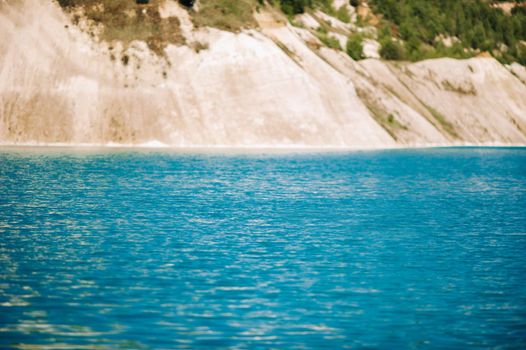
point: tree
(187, 3)
(294, 7)
(479, 37)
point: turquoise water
(416, 249)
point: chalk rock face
(59, 86)
(371, 48)
(518, 70)
(270, 87)
(441, 101)
(478, 97)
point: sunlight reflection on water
(392, 249)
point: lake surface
(406, 249)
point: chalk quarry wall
(271, 87)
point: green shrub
(343, 15)
(355, 47)
(330, 41)
(392, 50)
(294, 7)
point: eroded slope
(273, 86)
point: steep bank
(274, 86)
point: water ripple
(139, 250)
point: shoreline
(247, 149)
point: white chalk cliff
(274, 86)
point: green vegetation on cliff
(406, 29)
(453, 28)
(231, 15)
(126, 21)
(420, 29)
